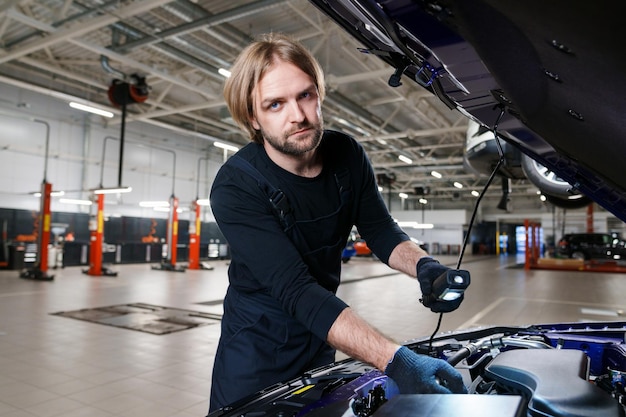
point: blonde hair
(252, 64)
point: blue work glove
(428, 270)
(417, 374)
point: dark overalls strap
(342, 178)
(278, 200)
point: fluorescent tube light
(405, 159)
(224, 72)
(112, 190)
(90, 109)
(52, 194)
(458, 185)
(435, 174)
(415, 225)
(225, 146)
(403, 195)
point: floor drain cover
(142, 317)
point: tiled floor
(58, 366)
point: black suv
(591, 246)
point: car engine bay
(556, 370)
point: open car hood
(555, 70)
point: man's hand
(418, 374)
(428, 269)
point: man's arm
(413, 373)
(405, 256)
(356, 338)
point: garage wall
(447, 227)
(77, 151)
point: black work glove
(418, 374)
(428, 269)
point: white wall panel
(78, 159)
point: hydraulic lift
(195, 227)
(194, 236)
(169, 263)
(96, 238)
(39, 271)
(535, 261)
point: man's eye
(274, 105)
(306, 94)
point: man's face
(287, 110)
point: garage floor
(55, 365)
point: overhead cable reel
(123, 93)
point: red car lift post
(195, 227)
(39, 271)
(96, 238)
(194, 236)
(169, 264)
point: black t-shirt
(301, 277)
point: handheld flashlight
(450, 285)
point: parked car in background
(355, 246)
(361, 248)
(591, 246)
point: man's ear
(254, 123)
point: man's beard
(296, 147)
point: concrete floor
(59, 366)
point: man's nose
(296, 113)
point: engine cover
(554, 381)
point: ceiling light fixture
(475, 193)
(415, 225)
(115, 190)
(405, 159)
(403, 195)
(458, 184)
(52, 194)
(435, 174)
(224, 72)
(225, 146)
(91, 109)
(423, 201)
(203, 202)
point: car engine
(549, 370)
